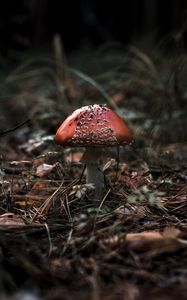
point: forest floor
(56, 240)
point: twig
(82, 173)
(14, 128)
(44, 208)
(100, 205)
(67, 208)
(49, 239)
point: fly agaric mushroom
(93, 127)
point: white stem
(93, 158)
(93, 175)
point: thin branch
(14, 128)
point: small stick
(14, 128)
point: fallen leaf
(37, 195)
(153, 241)
(44, 169)
(135, 181)
(9, 219)
(171, 233)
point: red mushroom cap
(93, 126)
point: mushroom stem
(93, 158)
(93, 175)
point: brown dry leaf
(37, 195)
(144, 241)
(128, 181)
(136, 180)
(139, 179)
(171, 233)
(155, 242)
(9, 219)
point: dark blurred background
(144, 80)
(89, 23)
